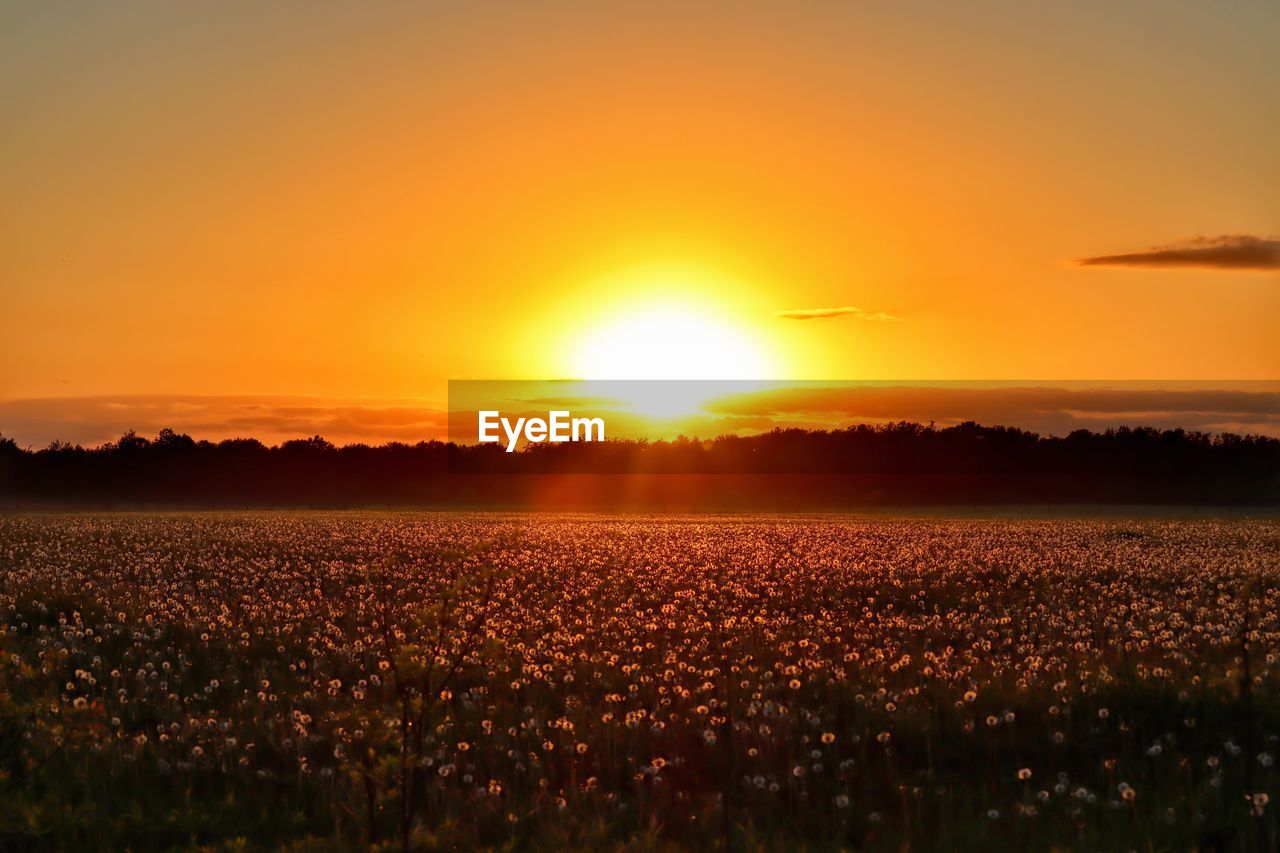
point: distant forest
(901, 463)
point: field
(315, 680)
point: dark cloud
(843, 311)
(1228, 252)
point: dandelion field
(460, 681)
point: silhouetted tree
(892, 463)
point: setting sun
(669, 342)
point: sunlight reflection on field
(582, 680)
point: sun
(669, 342)
(664, 338)
(637, 355)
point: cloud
(1048, 410)
(576, 402)
(843, 311)
(271, 419)
(1227, 252)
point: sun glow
(669, 343)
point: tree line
(786, 468)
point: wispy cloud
(1226, 252)
(842, 311)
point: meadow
(506, 681)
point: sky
(338, 207)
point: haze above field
(276, 221)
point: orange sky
(360, 203)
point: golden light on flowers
(590, 675)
